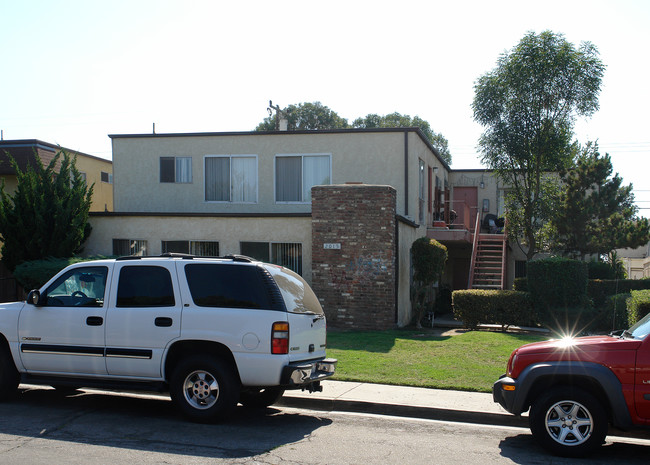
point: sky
(74, 72)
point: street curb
(409, 411)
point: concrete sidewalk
(413, 402)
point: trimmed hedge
(520, 284)
(638, 306)
(557, 284)
(478, 306)
(600, 270)
(600, 289)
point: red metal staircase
(488, 266)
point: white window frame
(302, 167)
(230, 157)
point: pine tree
(47, 215)
(596, 212)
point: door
(465, 205)
(65, 333)
(144, 317)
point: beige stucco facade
(368, 157)
(227, 231)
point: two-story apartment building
(255, 194)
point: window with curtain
(295, 175)
(176, 169)
(231, 179)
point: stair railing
(477, 231)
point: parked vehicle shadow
(521, 447)
(148, 422)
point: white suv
(213, 332)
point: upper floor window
(295, 175)
(106, 177)
(231, 178)
(176, 169)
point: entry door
(65, 332)
(465, 196)
(145, 316)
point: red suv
(576, 387)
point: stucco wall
(368, 157)
(407, 234)
(227, 231)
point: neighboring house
(637, 261)
(253, 193)
(95, 170)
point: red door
(465, 205)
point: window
(520, 269)
(231, 286)
(80, 287)
(122, 247)
(231, 179)
(295, 175)
(198, 248)
(145, 286)
(421, 192)
(176, 169)
(106, 177)
(287, 254)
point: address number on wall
(332, 246)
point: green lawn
(469, 361)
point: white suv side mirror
(34, 297)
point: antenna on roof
(281, 120)
(154, 128)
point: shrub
(638, 306)
(600, 270)
(557, 284)
(612, 315)
(429, 257)
(33, 274)
(520, 284)
(476, 306)
(599, 290)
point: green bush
(478, 306)
(638, 306)
(428, 257)
(33, 274)
(612, 315)
(557, 284)
(601, 270)
(600, 289)
(520, 284)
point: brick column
(354, 247)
